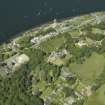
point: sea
(16, 16)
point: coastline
(46, 24)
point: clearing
(98, 98)
(90, 69)
(52, 44)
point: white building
(81, 43)
(35, 40)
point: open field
(98, 98)
(52, 44)
(90, 69)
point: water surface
(19, 15)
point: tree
(14, 89)
(98, 82)
(36, 57)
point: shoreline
(46, 24)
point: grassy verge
(90, 69)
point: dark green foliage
(68, 92)
(102, 48)
(48, 31)
(101, 25)
(79, 102)
(36, 57)
(69, 42)
(97, 37)
(79, 54)
(14, 89)
(93, 36)
(48, 68)
(24, 41)
(99, 81)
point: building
(9, 65)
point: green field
(90, 69)
(52, 44)
(98, 98)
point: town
(59, 63)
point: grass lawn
(90, 69)
(98, 98)
(52, 44)
(58, 61)
(75, 33)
